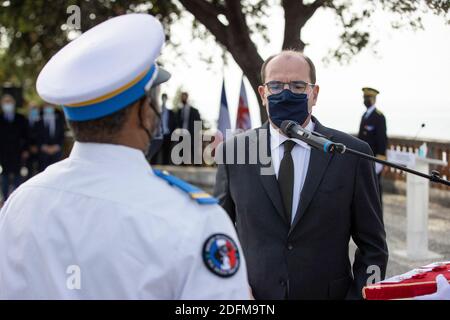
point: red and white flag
(243, 121)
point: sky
(411, 69)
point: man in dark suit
(50, 137)
(32, 163)
(372, 129)
(295, 208)
(13, 144)
(168, 125)
(190, 120)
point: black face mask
(155, 145)
(368, 103)
(155, 138)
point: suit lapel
(318, 164)
(269, 179)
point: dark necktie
(286, 178)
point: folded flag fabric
(414, 283)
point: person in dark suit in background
(188, 117)
(168, 125)
(295, 218)
(372, 130)
(13, 144)
(32, 163)
(50, 137)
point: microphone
(418, 131)
(293, 130)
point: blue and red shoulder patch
(221, 255)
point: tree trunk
(250, 62)
(235, 36)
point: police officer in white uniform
(102, 224)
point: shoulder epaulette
(194, 193)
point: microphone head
(287, 125)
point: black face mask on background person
(368, 103)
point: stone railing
(435, 149)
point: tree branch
(317, 4)
(294, 19)
(207, 13)
(296, 14)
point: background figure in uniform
(50, 136)
(13, 144)
(32, 163)
(187, 116)
(373, 130)
(168, 125)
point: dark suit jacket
(43, 132)
(310, 259)
(373, 131)
(13, 141)
(194, 115)
(163, 156)
(171, 121)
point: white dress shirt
(103, 215)
(369, 111)
(50, 123)
(300, 155)
(378, 166)
(165, 120)
(186, 110)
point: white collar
(111, 154)
(277, 139)
(370, 110)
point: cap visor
(163, 76)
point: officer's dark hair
(102, 130)
(312, 68)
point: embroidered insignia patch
(221, 255)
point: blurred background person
(187, 116)
(13, 144)
(32, 162)
(50, 136)
(373, 130)
(168, 125)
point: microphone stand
(434, 177)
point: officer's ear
(145, 113)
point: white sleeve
(222, 281)
(378, 167)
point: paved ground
(395, 222)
